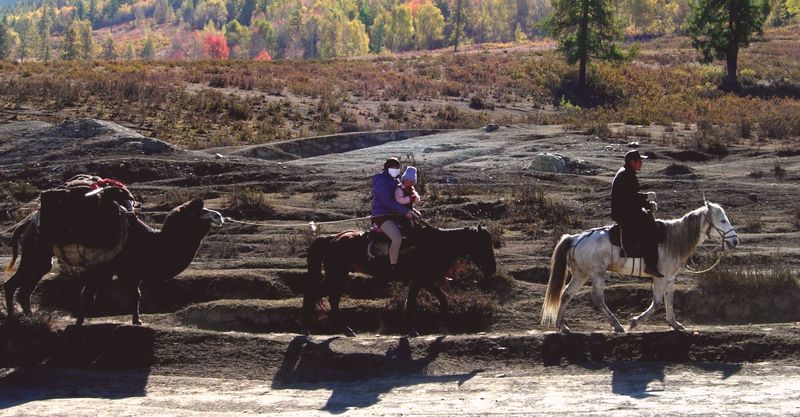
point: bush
(21, 191)
(250, 203)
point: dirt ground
(221, 338)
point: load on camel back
(85, 220)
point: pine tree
(72, 45)
(8, 39)
(458, 17)
(148, 52)
(130, 53)
(28, 38)
(45, 25)
(87, 43)
(720, 27)
(586, 29)
(109, 49)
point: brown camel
(148, 254)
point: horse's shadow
(106, 361)
(308, 365)
(643, 380)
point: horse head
(719, 226)
(481, 251)
(192, 219)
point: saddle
(378, 243)
(631, 241)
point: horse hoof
(137, 322)
(413, 333)
(633, 325)
(619, 329)
(678, 327)
(349, 332)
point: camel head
(191, 219)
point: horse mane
(683, 234)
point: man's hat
(634, 155)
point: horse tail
(558, 277)
(20, 229)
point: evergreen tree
(8, 39)
(458, 17)
(44, 32)
(28, 38)
(71, 45)
(237, 36)
(586, 29)
(87, 43)
(148, 52)
(109, 49)
(720, 27)
(130, 53)
(246, 14)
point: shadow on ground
(309, 365)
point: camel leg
(9, 288)
(575, 283)
(668, 303)
(136, 297)
(598, 296)
(442, 298)
(87, 296)
(659, 285)
(411, 308)
(93, 280)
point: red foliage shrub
(215, 47)
(263, 56)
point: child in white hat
(405, 193)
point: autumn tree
(262, 37)
(719, 28)
(586, 29)
(237, 36)
(400, 29)
(429, 27)
(214, 46)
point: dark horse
(148, 254)
(430, 255)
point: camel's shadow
(308, 365)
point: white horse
(590, 254)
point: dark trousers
(644, 226)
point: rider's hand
(410, 215)
(651, 196)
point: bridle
(723, 234)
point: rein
(721, 253)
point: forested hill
(267, 29)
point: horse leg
(442, 298)
(668, 300)
(598, 290)
(30, 272)
(575, 283)
(411, 308)
(336, 314)
(659, 285)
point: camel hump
(85, 228)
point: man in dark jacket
(628, 208)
